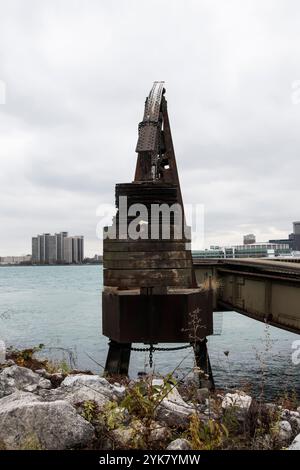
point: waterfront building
(296, 226)
(68, 250)
(4, 260)
(51, 249)
(60, 246)
(254, 250)
(35, 250)
(78, 249)
(57, 249)
(42, 247)
(294, 238)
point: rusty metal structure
(264, 289)
(150, 291)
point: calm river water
(60, 306)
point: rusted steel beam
(268, 291)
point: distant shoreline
(45, 265)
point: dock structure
(150, 290)
(264, 289)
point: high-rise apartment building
(77, 248)
(60, 246)
(296, 226)
(57, 249)
(35, 250)
(51, 249)
(68, 250)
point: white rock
(174, 411)
(50, 425)
(293, 417)
(285, 414)
(284, 431)
(20, 378)
(295, 445)
(74, 396)
(239, 400)
(83, 387)
(157, 382)
(179, 444)
(97, 383)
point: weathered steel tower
(150, 292)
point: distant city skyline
(294, 240)
(59, 248)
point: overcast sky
(76, 75)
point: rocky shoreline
(45, 409)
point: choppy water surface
(60, 306)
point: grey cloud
(77, 74)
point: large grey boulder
(179, 444)
(26, 422)
(295, 445)
(82, 387)
(20, 378)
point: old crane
(150, 292)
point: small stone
(285, 431)
(293, 417)
(285, 414)
(157, 382)
(295, 445)
(179, 444)
(239, 400)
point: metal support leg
(203, 362)
(118, 357)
